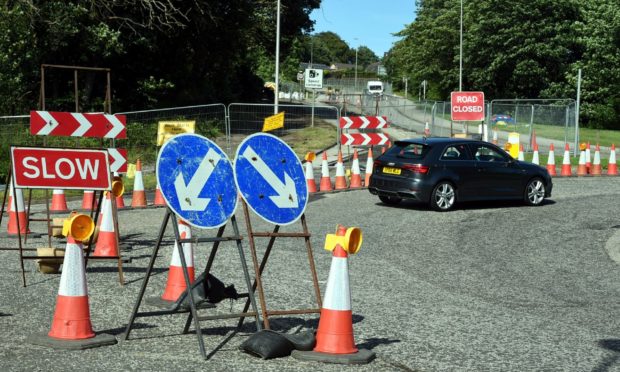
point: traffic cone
(535, 159)
(59, 202)
(18, 216)
(596, 165)
(588, 159)
(138, 199)
(494, 137)
(369, 164)
(581, 168)
(326, 182)
(88, 201)
(612, 168)
(566, 170)
(520, 156)
(310, 181)
(533, 138)
(120, 202)
(159, 198)
(334, 336)
(176, 280)
(71, 326)
(107, 244)
(340, 181)
(551, 162)
(356, 178)
(427, 131)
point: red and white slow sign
(51, 168)
(467, 106)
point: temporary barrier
(326, 182)
(596, 165)
(356, 177)
(612, 167)
(369, 167)
(340, 181)
(138, 199)
(551, 162)
(566, 168)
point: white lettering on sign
(467, 109)
(63, 168)
(466, 99)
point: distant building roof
(342, 66)
(304, 65)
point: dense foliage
(161, 52)
(517, 49)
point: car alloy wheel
(443, 196)
(535, 192)
(390, 200)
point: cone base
(363, 356)
(176, 282)
(42, 339)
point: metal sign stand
(193, 309)
(21, 244)
(258, 269)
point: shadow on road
(610, 360)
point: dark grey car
(442, 171)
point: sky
(371, 22)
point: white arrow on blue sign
(196, 179)
(271, 179)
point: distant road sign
(271, 179)
(467, 106)
(73, 124)
(53, 168)
(313, 78)
(196, 179)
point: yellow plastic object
(79, 226)
(583, 146)
(350, 242)
(117, 187)
(513, 138)
(310, 156)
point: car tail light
(416, 168)
(377, 163)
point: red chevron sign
(363, 139)
(118, 160)
(72, 124)
(363, 122)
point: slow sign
(467, 106)
(52, 168)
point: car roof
(437, 140)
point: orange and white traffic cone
(326, 182)
(340, 181)
(581, 167)
(159, 198)
(551, 162)
(566, 169)
(107, 243)
(427, 131)
(334, 336)
(494, 141)
(369, 164)
(588, 158)
(71, 325)
(596, 164)
(19, 216)
(612, 167)
(356, 177)
(176, 280)
(138, 199)
(88, 201)
(310, 181)
(535, 156)
(520, 156)
(59, 202)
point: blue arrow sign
(271, 179)
(196, 179)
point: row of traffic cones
(585, 166)
(340, 182)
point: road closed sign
(467, 106)
(53, 168)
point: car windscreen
(408, 150)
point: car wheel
(534, 192)
(443, 197)
(390, 200)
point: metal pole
(313, 103)
(577, 111)
(275, 99)
(406, 81)
(461, 52)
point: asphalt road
(488, 287)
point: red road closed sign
(52, 168)
(467, 106)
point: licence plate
(390, 170)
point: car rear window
(408, 150)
